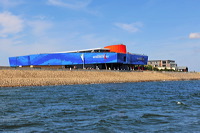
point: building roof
(182, 67)
(161, 60)
(84, 51)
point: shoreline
(34, 77)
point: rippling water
(108, 108)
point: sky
(161, 29)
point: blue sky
(161, 29)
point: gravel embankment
(11, 78)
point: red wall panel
(120, 48)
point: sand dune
(11, 78)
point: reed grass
(12, 78)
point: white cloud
(10, 3)
(10, 24)
(16, 47)
(133, 27)
(39, 27)
(72, 4)
(194, 35)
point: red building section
(120, 48)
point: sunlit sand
(11, 78)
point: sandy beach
(13, 78)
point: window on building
(124, 58)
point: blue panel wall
(19, 61)
(97, 58)
(63, 59)
(121, 58)
(56, 59)
(72, 58)
(77, 58)
(139, 59)
(132, 59)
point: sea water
(172, 106)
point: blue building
(114, 57)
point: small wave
(19, 125)
(149, 115)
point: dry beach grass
(11, 78)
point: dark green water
(105, 108)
